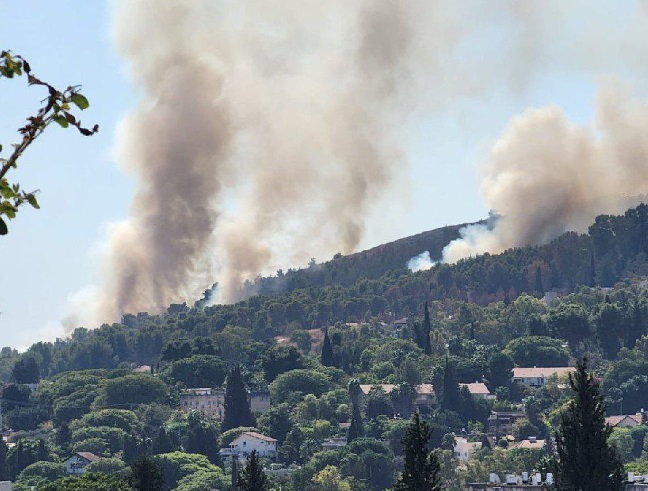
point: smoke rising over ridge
(546, 175)
(268, 130)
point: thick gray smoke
(546, 175)
(266, 131)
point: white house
(538, 376)
(464, 450)
(250, 440)
(78, 462)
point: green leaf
(60, 119)
(3, 227)
(32, 201)
(7, 192)
(80, 101)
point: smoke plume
(546, 175)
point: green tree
(501, 370)
(585, 459)
(427, 329)
(146, 474)
(90, 481)
(327, 357)
(421, 471)
(56, 109)
(252, 477)
(237, 405)
(356, 430)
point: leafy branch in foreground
(56, 108)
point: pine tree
(146, 474)
(252, 478)
(585, 460)
(237, 405)
(327, 357)
(421, 472)
(356, 430)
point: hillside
(345, 270)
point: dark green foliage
(279, 359)
(89, 482)
(252, 477)
(500, 370)
(585, 460)
(276, 422)
(540, 351)
(202, 437)
(26, 371)
(25, 453)
(327, 358)
(421, 471)
(4, 469)
(164, 442)
(146, 474)
(538, 286)
(356, 430)
(130, 390)
(197, 371)
(451, 400)
(237, 405)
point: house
(501, 423)
(532, 443)
(248, 441)
(626, 420)
(478, 390)
(538, 376)
(424, 393)
(464, 450)
(78, 462)
(211, 402)
(334, 443)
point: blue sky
(53, 253)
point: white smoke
(422, 262)
(546, 175)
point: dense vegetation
(313, 346)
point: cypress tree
(421, 472)
(4, 471)
(356, 430)
(327, 351)
(592, 271)
(237, 406)
(538, 281)
(585, 460)
(252, 478)
(427, 329)
(451, 399)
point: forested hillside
(313, 349)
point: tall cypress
(237, 406)
(327, 358)
(427, 329)
(422, 468)
(252, 478)
(451, 399)
(539, 288)
(356, 430)
(585, 460)
(4, 471)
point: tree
(237, 406)
(451, 397)
(356, 429)
(421, 472)
(585, 459)
(89, 481)
(252, 477)
(501, 370)
(56, 109)
(146, 474)
(25, 371)
(327, 357)
(427, 329)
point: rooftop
(541, 372)
(423, 389)
(476, 388)
(258, 436)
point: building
(425, 396)
(478, 390)
(538, 376)
(78, 462)
(464, 450)
(532, 443)
(501, 423)
(248, 441)
(334, 443)
(514, 482)
(626, 420)
(211, 402)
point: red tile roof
(258, 436)
(88, 456)
(540, 372)
(476, 388)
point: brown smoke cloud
(546, 175)
(267, 129)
